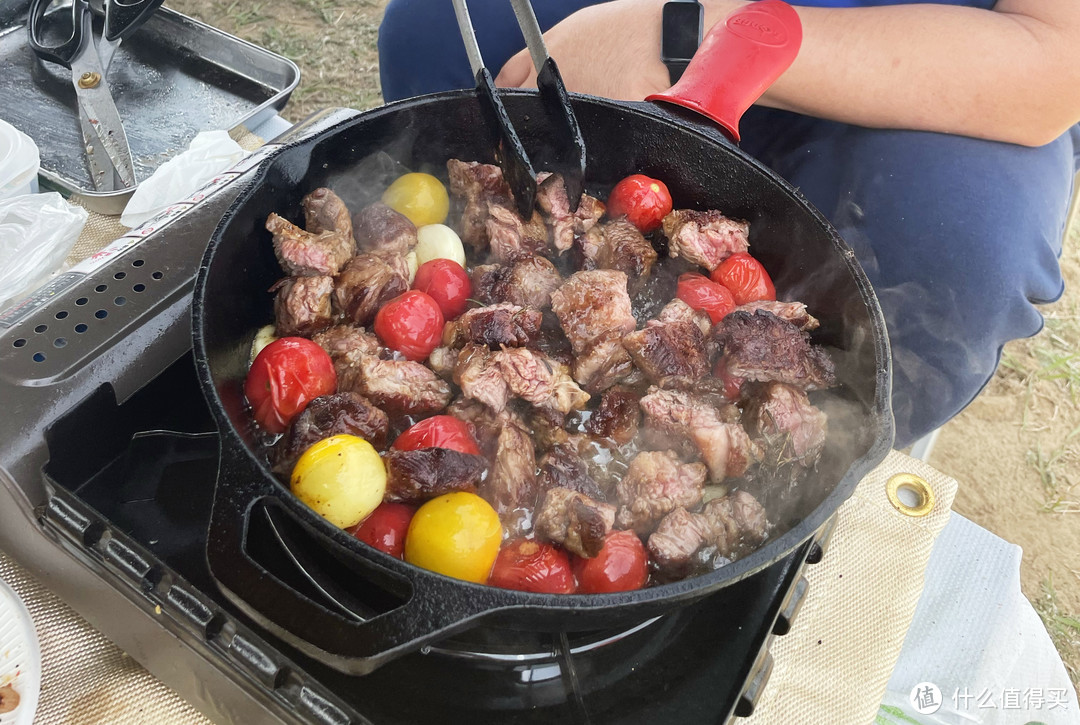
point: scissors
(107, 152)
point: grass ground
(1015, 451)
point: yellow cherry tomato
(342, 478)
(420, 197)
(457, 534)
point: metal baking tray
(171, 79)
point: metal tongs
(565, 133)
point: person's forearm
(1012, 74)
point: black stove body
(108, 456)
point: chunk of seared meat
(655, 484)
(563, 467)
(793, 312)
(706, 238)
(617, 417)
(679, 311)
(303, 254)
(538, 379)
(762, 347)
(604, 363)
(324, 211)
(478, 186)
(442, 361)
(477, 374)
(365, 284)
(574, 521)
(325, 416)
(512, 239)
(552, 199)
(342, 339)
(482, 422)
(618, 244)
(400, 387)
(380, 230)
(511, 483)
(494, 326)
(528, 282)
(418, 475)
(593, 303)
(785, 423)
(734, 525)
(663, 349)
(724, 446)
(302, 305)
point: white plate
(20, 657)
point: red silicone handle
(738, 60)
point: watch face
(682, 30)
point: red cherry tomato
(385, 528)
(439, 431)
(621, 566)
(532, 566)
(411, 323)
(644, 201)
(447, 283)
(701, 293)
(284, 377)
(745, 277)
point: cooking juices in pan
(579, 402)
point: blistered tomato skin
(645, 201)
(746, 278)
(457, 534)
(285, 376)
(447, 283)
(411, 323)
(532, 566)
(438, 431)
(341, 478)
(621, 566)
(702, 293)
(385, 528)
(420, 197)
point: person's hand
(611, 50)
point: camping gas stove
(108, 458)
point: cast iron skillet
(703, 170)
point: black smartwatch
(683, 23)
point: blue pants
(960, 237)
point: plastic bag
(209, 153)
(36, 233)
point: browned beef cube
(735, 525)
(303, 254)
(574, 521)
(617, 417)
(324, 211)
(380, 230)
(762, 347)
(619, 245)
(442, 361)
(540, 380)
(325, 416)
(552, 199)
(563, 467)
(677, 538)
(400, 387)
(679, 311)
(528, 282)
(494, 326)
(341, 339)
(511, 238)
(785, 423)
(593, 303)
(663, 349)
(706, 238)
(604, 363)
(418, 475)
(477, 185)
(655, 484)
(365, 284)
(511, 483)
(477, 374)
(302, 305)
(793, 312)
(724, 446)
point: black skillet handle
(436, 607)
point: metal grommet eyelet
(908, 485)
